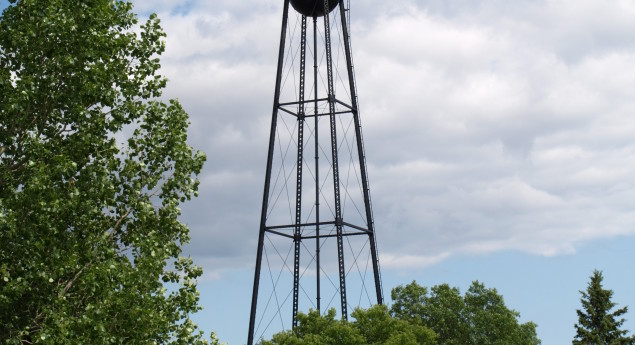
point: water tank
(312, 8)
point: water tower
(316, 242)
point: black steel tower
(317, 237)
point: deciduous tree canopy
(93, 168)
(479, 317)
(372, 326)
(443, 317)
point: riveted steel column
(265, 198)
(334, 161)
(317, 165)
(297, 234)
(361, 156)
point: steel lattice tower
(323, 200)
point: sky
(499, 137)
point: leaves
(479, 317)
(378, 326)
(89, 224)
(371, 326)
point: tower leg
(334, 161)
(297, 235)
(317, 166)
(361, 156)
(265, 199)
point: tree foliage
(441, 316)
(371, 326)
(480, 317)
(93, 168)
(378, 326)
(597, 323)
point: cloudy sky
(499, 140)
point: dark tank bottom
(312, 8)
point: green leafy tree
(93, 168)
(408, 301)
(597, 323)
(445, 312)
(371, 326)
(491, 322)
(316, 329)
(480, 317)
(377, 326)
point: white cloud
(397, 261)
(489, 125)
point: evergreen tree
(597, 325)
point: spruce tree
(597, 324)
